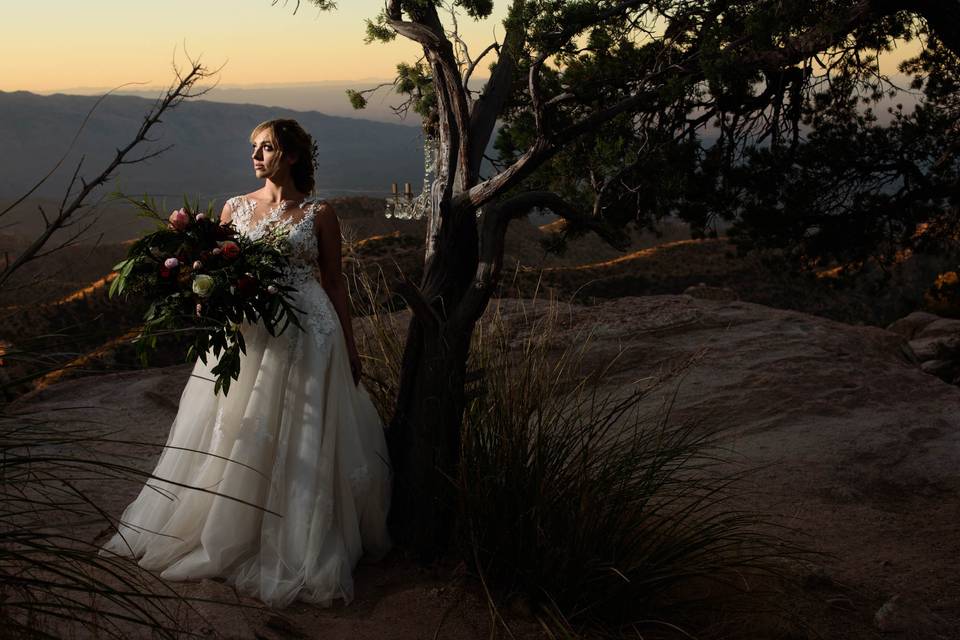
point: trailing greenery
(206, 278)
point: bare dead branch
(66, 153)
(175, 94)
(147, 156)
(473, 65)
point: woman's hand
(356, 367)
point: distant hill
(210, 154)
(327, 96)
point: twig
(175, 94)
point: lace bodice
(312, 298)
(303, 243)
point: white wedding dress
(294, 436)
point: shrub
(593, 507)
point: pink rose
(171, 263)
(180, 219)
(197, 264)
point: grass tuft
(583, 502)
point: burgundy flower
(246, 285)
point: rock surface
(854, 444)
(850, 442)
(934, 341)
(705, 292)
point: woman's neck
(276, 192)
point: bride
(280, 486)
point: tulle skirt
(280, 486)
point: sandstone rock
(939, 328)
(898, 615)
(934, 341)
(704, 292)
(936, 348)
(910, 325)
(944, 369)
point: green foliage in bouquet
(202, 276)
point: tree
(612, 91)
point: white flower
(203, 285)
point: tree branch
(418, 303)
(494, 222)
(473, 65)
(174, 96)
(487, 107)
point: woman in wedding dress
(280, 486)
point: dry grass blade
(587, 501)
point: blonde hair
(289, 137)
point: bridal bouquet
(204, 277)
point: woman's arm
(226, 215)
(327, 229)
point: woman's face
(266, 157)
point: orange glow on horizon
(62, 45)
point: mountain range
(210, 154)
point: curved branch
(474, 63)
(494, 222)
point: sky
(63, 45)
(54, 45)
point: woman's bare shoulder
(325, 217)
(323, 210)
(320, 206)
(231, 205)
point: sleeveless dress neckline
(307, 205)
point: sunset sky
(65, 44)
